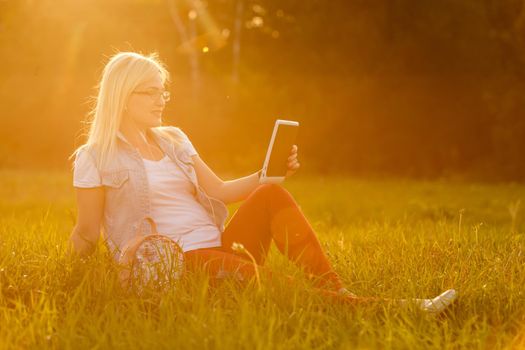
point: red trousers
(269, 214)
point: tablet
(275, 164)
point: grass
(388, 238)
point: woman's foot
(343, 292)
(436, 305)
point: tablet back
(283, 141)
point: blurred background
(408, 88)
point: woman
(131, 168)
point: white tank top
(175, 209)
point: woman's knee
(272, 191)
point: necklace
(150, 161)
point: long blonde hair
(122, 74)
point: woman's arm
(90, 204)
(238, 189)
(226, 191)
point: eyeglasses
(155, 94)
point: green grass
(385, 238)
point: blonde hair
(122, 74)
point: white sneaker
(436, 305)
(346, 293)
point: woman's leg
(219, 264)
(271, 213)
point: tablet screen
(282, 146)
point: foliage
(386, 238)
(418, 88)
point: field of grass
(387, 238)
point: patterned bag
(151, 261)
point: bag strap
(152, 224)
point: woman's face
(146, 104)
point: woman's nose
(160, 102)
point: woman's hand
(90, 204)
(293, 163)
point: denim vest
(126, 188)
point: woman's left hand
(293, 164)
